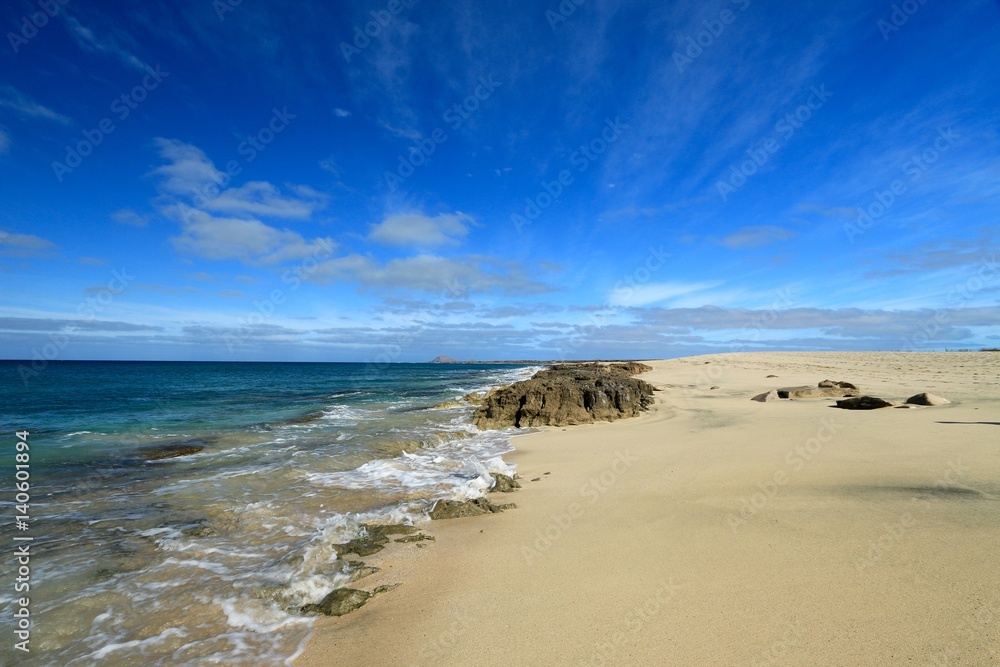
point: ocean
(203, 558)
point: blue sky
(389, 181)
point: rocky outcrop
(458, 509)
(503, 483)
(568, 394)
(344, 600)
(767, 397)
(864, 403)
(927, 399)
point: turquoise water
(203, 558)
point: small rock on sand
(767, 397)
(864, 403)
(927, 399)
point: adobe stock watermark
(974, 627)
(761, 153)
(592, 491)
(580, 159)
(986, 274)
(562, 12)
(121, 108)
(97, 300)
(898, 17)
(30, 24)
(455, 116)
(381, 19)
(916, 167)
(795, 460)
(249, 149)
(264, 309)
(608, 650)
(623, 291)
(778, 649)
(893, 533)
(695, 47)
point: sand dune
(714, 530)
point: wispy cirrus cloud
(26, 107)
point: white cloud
(4, 141)
(89, 42)
(21, 104)
(188, 170)
(421, 231)
(224, 222)
(263, 199)
(429, 273)
(247, 240)
(641, 295)
(24, 245)
(130, 218)
(341, 113)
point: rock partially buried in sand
(339, 602)
(503, 483)
(927, 399)
(457, 509)
(864, 403)
(838, 390)
(830, 384)
(345, 600)
(767, 397)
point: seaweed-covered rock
(339, 602)
(457, 509)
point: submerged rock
(864, 403)
(170, 450)
(503, 483)
(419, 537)
(565, 395)
(366, 545)
(927, 399)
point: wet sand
(714, 530)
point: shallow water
(204, 558)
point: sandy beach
(714, 530)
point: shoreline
(714, 530)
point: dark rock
(503, 483)
(339, 602)
(170, 450)
(457, 509)
(388, 529)
(363, 571)
(536, 479)
(716, 387)
(772, 376)
(200, 531)
(864, 403)
(630, 368)
(419, 537)
(384, 588)
(505, 506)
(927, 399)
(566, 395)
(830, 384)
(366, 545)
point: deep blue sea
(202, 558)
